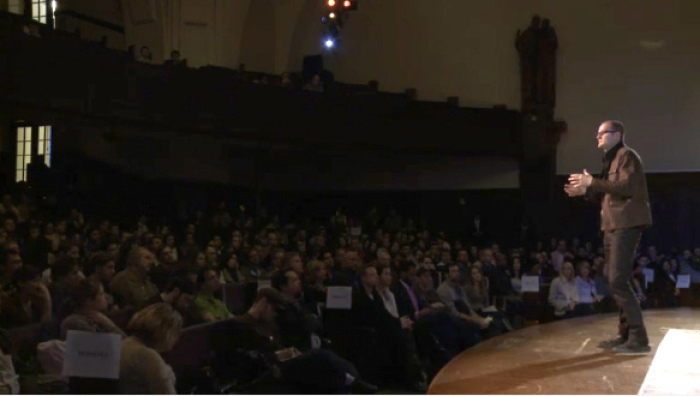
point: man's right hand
(574, 191)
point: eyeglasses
(600, 134)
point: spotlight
(329, 43)
(347, 3)
(331, 15)
(331, 3)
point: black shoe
(360, 387)
(612, 343)
(632, 348)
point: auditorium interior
(275, 196)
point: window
(24, 152)
(15, 6)
(39, 10)
(44, 144)
(32, 142)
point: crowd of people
(419, 297)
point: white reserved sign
(683, 282)
(92, 355)
(648, 275)
(530, 283)
(339, 297)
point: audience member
(563, 292)
(230, 269)
(314, 85)
(383, 289)
(142, 370)
(175, 61)
(29, 303)
(588, 295)
(131, 287)
(145, 55)
(208, 307)
(89, 302)
(316, 371)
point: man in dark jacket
(622, 191)
(315, 371)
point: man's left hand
(581, 179)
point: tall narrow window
(44, 144)
(15, 6)
(39, 10)
(24, 152)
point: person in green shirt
(208, 307)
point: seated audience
(145, 55)
(286, 81)
(665, 284)
(454, 297)
(35, 251)
(230, 269)
(9, 380)
(132, 287)
(454, 334)
(383, 289)
(563, 292)
(101, 268)
(315, 286)
(175, 61)
(252, 271)
(588, 295)
(396, 360)
(208, 307)
(89, 302)
(346, 274)
(142, 370)
(10, 263)
(315, 371)
(516, 274)
(65, 275)
(293, 261)
(314, 85)
(477, 292)
(299, 325)
(29, 303)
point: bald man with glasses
(622, 192)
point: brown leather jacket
(625, 203)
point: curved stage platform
(558, 358)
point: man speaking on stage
(622, 192)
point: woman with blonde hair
(563, 292)
(155, 329)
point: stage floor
(558, 358)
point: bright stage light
(329, 43)
(331, 3)
(331, 15)
(347, 3)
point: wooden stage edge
(559, 358)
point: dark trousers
(619, 248)
(318, 370)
